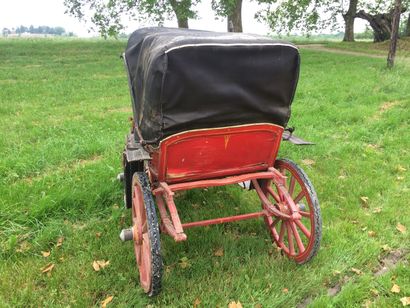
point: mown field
(64, 108)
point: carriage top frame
(182, 80)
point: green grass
(64, 106)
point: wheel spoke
(273, 224)
(303, 228)
(299, 196)
(273, 194)
(292, 185)
(297, 238)
(304, 214)
(290, 239)
(282, 232)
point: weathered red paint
(215, 153)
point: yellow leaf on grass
(377, 210)
(98, 234)
(184, 262)
(371, 234)
(401, 228)
(395, 288)
(336, 272)
(235, 305)
(60, 241)
(48, 268)
(374, 292)
(386, 247)
(100, 264)
(405, 301)
(45, 254)
(356, 271)
(105, 302)
(197, 302)
(285, 290)
(308, 162)
(364, 201)
(219, 252)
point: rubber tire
(315, 203)
(153, 233)
(129, 169)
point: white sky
(14, 13)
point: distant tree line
(45, 30)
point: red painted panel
(218, 152)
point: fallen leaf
(336, 272)
(405, 301)
(401, 168)
(355, 222)
(219, 252)
(45, 254)
(386, 248)
(308, 162)
(197, 302)
(235, 305)
(184, 262)
(48, 268)
(377, 210)
(401, 228)
(105, 302)
(60, 241)
(356, 271)
(364, 201)
(100, 264)
(257, 306)
(24, 246)
(367, 304)
(395, 288)
(364, 229)
(374, 292)
(98, 234)
(285, 290)
(371, 234)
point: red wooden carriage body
(216, 155)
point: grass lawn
(64, 108)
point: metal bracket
(134, 151)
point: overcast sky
(14, 13)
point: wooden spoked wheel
(299, 238)
(146, 235)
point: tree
(232, 10)
(394, 33)
(107, 15)
(407, 29)
(349, 18)
(304, 15)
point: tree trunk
(349, 21)
(182, 19)
(394, 33)
(407, 33)
(380, 23)
(235, 18)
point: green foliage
(107, 16)
(64, 106)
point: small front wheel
(146, 235)
(300, 238)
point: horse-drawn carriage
(210, 109)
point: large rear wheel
(299, 238)
(146, 235)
